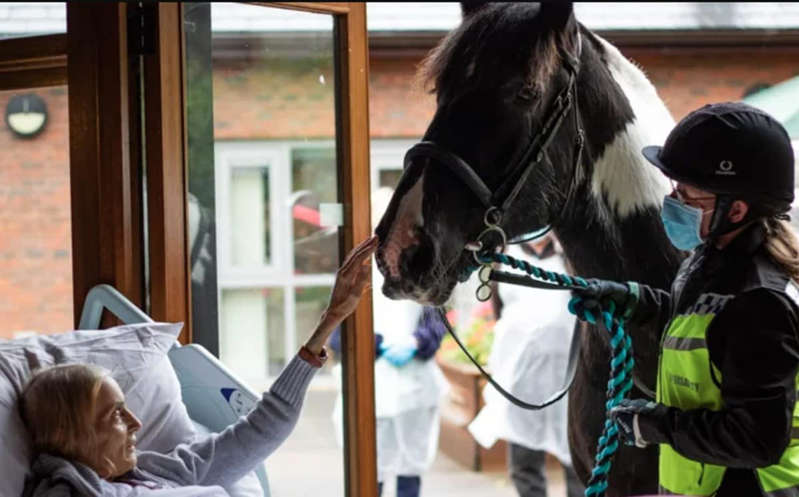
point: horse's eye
(527, 93)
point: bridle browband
(499, 201)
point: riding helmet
(730, 149)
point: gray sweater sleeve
(223, 458)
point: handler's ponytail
(783, 246)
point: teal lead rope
(621, 362)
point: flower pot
(464, 401)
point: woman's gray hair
(57, 406)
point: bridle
(499, 201)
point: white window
(251, 184)
(386, 158)
(276, 256)
(277, 243)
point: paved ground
(310, 464)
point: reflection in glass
(253, 345)
(390, 178)
(249, 216)
(314, 182)
(35, 219)
(261, 123)
(310, 302)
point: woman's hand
(352, 280)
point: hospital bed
(213, 396)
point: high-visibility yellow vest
(684, 380)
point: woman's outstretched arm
(224, 458)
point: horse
(501, 132)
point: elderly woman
(85, 436)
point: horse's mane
(498, 39)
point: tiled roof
(29, 18)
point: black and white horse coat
(488, 104)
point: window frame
(105, 174)
(244, 156)
(387, 155)
(229, 155)
(253, 153)
(33, 61)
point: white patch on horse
(621, 174)
(403, 230)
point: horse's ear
(556, 14)
(469, 8)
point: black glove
(638, 421)
(599, 293)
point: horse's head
(497, 78)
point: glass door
(267, 176)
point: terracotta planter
(464, 401)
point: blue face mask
(682, 223)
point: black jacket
(753, 343)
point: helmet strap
(720, 223)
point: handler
(725, 416)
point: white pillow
(135, 354)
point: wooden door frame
(167, 187)
(165, 156)
(105, 199)
(357, 339)
(33, 62)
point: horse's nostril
(392, 290)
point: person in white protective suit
(528, 358)
(409, 386)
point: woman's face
(115, 427)
(701, 199)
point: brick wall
(265, 104)
(398, 105)
(689, 78)
(35, 239)
(685, 79)
(274, 101)
(279, 101)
